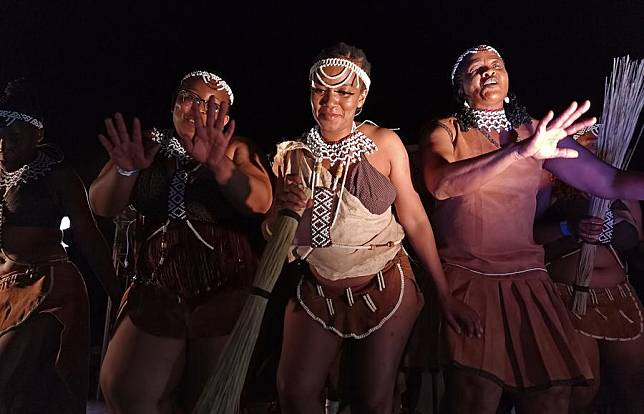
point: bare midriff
(606, 273)
(22, 246)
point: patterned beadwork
(32, 171)
(354, 146)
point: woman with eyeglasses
(196, 189)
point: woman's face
(194, 90)
(18, 144)
(335, 108)
(484, 80)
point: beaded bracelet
(126, 173)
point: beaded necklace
(345, 152)
(172, 149)
(31, 171)
(485, 121)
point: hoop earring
(358, 112)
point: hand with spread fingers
(550, 131)
(211, 139)
(127, 150)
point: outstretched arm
(590, 174)
(445, 177)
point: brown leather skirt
(158, 311)
(529, 340)
(612, 314)
(357, 311)
(55, 289)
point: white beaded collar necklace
(491, 120)
(350, 149)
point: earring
(466, 104)
(506, 99)
(358, 112)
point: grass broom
(623, 101)
(222, 393)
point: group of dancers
(505, 185)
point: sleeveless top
(208, 250)
(365, 235)
(490, 229)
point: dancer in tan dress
(484, 165)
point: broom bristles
(623, 102)
(222, 393)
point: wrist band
(126, 173)
(564, 229)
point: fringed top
(203, 246)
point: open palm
(127, 150)
(211, 139)
(543, 144)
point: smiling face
(194, 90)
(484, 80)
(334, 108)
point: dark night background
(92, 58)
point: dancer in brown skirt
(611, 330)
(196, 190)
(485, 166)
(44, 311)
(355, 279)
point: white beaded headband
(11, 116)
(341, 78)
(208, 77)
(470, 51)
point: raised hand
(127, 151)
(543, 144)
(209, 144)
(462, 318)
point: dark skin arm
(446, 177)
(592, 175)
(71, 192)
(234, 163)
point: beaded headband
(470, 51)
(341, 78)
(208, 77)
(11, 116)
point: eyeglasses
(186, 99)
